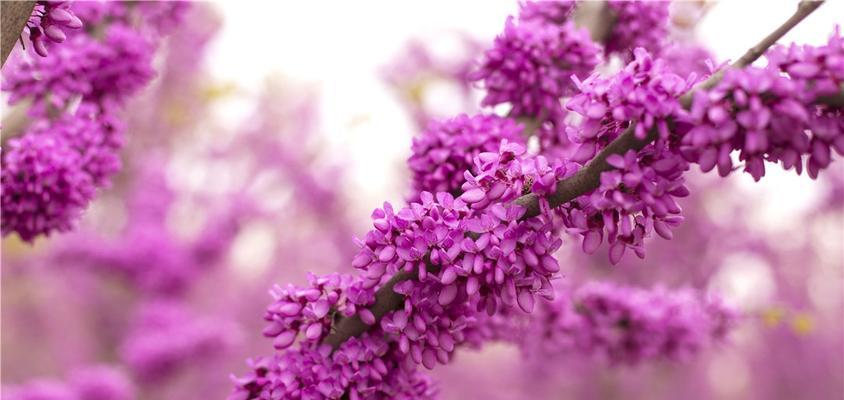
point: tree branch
(833, 100)
(13, 17)
(582, 182)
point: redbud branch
(13, 17)
(386, 300)
(835, 100)
(584, 181)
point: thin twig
(584, 181)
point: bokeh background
(273, 130)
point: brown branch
(833, 100)
(386, 300)
(584, 181)
(13, 17)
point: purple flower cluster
(547, 11)
(507, 262)
(147, 255)
(166, 336)
(638, 196)
(644, 91)
(101, 72)
(52, 171)
(639, 23)
(629, 325)
(101, 382)
(753, 110)
(504, 175)
(634, 200)
(43, 187)
(626, 325)
(504, 262)
(818, 71)
(447, 148)
(309, 311)
(76, 91)
(769, 114)
(361, 368)
(98, 382)
(531, 65)
(49, 19)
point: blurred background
(273, 130)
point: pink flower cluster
(644, 91)
(620, 324)
(51, 173)
(505, 262)
(309, 311)
(638, 23)
(634, 200)
(637, 197)
(95, 382)
(447, 148)
(504, 175)
(753, 110)
(76, 91)
(770, 114)
(531, 65)
(362, 368)
(165, 336)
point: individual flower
(531, 64)
(48, 21)
(445, 150)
